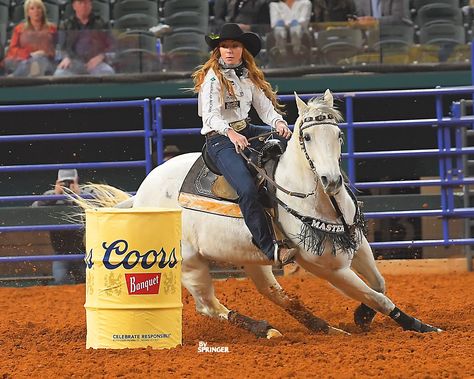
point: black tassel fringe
(313, 240)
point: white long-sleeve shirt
(300, 11)
(217, 114)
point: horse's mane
(319, 104)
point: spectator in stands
(86, 42)
(66, 241)
(229, 84)
(251, 15)
(468, 11)
(290, 17)
(384, 11)
(31, 51)
(333, 11)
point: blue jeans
(78, 67)
(234, 168)
(22, 68)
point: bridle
(317, 226)
(313, 121)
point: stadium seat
(437, 13)
(391, 42)
(418, 4)
(184, 51)
(135, 21)
(439, 34)
(337, 45)
(4, 14)
(289, 59)
(126, 7)
(137, 39)
(395, 37)
(187, 15)
(3, 34)
(136, 61)
(173, 6)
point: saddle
(205, 189)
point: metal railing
(146, 134)
(449, 153)
(450, 175)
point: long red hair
(255, 75)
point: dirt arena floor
(43, 332)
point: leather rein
(310, 122)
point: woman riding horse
(229, 83)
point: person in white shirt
(229, 84)
(289, 16)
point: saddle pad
(196, 193)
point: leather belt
(238, 126)
(211, 134)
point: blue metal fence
(448, 178)
(449, 153)
(147, 134)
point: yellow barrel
(133, 278)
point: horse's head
(320, 139)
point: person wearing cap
(85, 42)
(66, 241)
(228, 85)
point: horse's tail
(103, 196)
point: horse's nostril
(324, 180)
(339, 182)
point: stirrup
(289, 256)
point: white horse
(323, 225)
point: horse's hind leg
(364, 264)
(197, 280)
(268, 286)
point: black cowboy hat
(251, 41)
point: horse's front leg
(268, 286)
(364, 264)
(354, 287)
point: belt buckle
(238, 125)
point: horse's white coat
(210, 237)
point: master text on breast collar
(327, 226)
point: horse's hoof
(363, 316)
(426, 328)
(273, 333)
(335, 331)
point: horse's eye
(307, 137)
(330, 116)
(341, 137)
(320, 117)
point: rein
(270, 180)
(314, 232)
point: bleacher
(435, 32)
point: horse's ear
(302, 107)
(328, 99)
